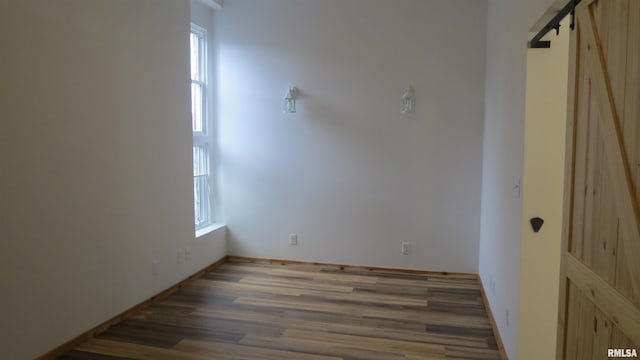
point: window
(200, 128)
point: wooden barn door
(600, 280)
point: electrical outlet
(293, 239)
(180, 256)
(406, 248)
(155, 267)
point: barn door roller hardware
(554, 23)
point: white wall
(348, 173)
(500, 237)
(542, 195)
(95, 170)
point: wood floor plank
(339, 350)
(268, 311)
(81, 355)
(365, 342)
(135, 351)
(236, 351)
(326, 277)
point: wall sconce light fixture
(290, 100)
(408, 101)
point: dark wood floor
(265, 311)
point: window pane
(201, 203)
(197, 107)
(200, 160)
(201, 186)
(195, 57)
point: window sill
(208, 229)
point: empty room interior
(319, 179)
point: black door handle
(536, 223)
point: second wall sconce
(408, 101)
(290, 100)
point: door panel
(599, 301)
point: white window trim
(204, 137)
(214, 4)
(200, 233)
